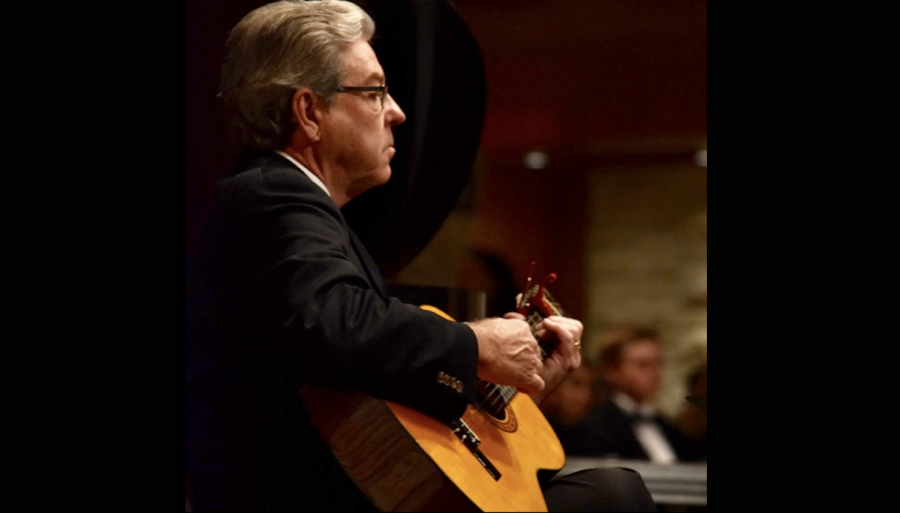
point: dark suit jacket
(280, 294)
(606, 432)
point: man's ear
(306, 115)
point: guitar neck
(547, 308)
(490, 394)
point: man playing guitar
(283, 297)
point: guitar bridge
(471, 441)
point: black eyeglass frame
(383, 89)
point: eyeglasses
(361, 89)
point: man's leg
(599, 489)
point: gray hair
(279, 48)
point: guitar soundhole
(491, 400)
(492, 403)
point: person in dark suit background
(626, 423)
(281, 293)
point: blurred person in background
(626, 424)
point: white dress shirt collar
(631, 407)
(309, 173)
(648, 433)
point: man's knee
(600, 489)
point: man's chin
(383, 177)
(374, 180)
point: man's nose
(394, 114)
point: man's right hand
(508, 354)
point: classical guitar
(403, 460)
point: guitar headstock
(536, 303)
(536, 298)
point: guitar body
(518, 448)
(404, 460)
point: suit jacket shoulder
(300, 284)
